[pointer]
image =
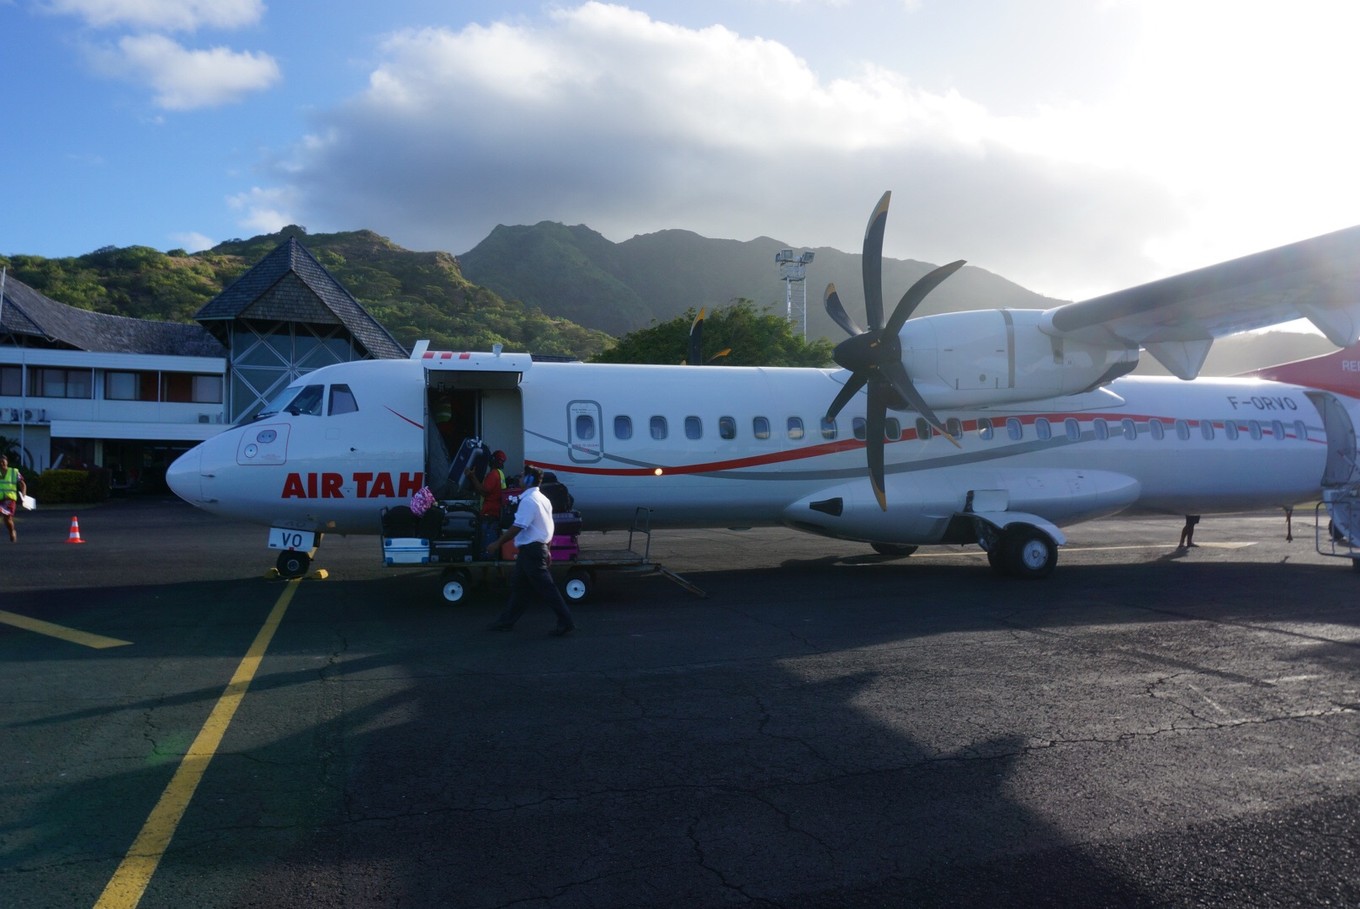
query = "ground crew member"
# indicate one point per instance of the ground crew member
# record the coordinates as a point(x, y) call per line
point(12, 486)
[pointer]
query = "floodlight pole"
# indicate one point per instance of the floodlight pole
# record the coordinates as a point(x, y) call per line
point(793, 270)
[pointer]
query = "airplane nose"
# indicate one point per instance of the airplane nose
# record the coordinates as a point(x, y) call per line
point(185, 475)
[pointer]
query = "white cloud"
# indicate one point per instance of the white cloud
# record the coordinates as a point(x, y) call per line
point(192, 241)
point(264, 209)
point(161, 15)
point(185, 79)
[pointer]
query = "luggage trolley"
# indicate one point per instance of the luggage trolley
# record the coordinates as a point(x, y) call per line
point(447, 536)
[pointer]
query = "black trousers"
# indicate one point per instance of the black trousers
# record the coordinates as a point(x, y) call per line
point(532, 579)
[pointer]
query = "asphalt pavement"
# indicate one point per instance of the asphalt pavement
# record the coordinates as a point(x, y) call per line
point(828, 727)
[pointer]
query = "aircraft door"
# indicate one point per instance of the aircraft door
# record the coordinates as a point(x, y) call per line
point(1341, 444)
point(585, 432)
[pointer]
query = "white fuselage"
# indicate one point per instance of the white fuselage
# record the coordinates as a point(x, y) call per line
point(740, 447)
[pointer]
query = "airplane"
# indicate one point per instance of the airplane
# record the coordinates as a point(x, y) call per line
point(990, 427)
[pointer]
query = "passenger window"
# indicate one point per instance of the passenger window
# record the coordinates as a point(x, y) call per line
point(585, 427)
point(1230, 429)
point(1206, 429)
point(828, 428)
point(1277, 430)
point(985, 428)
point(342, 400)
point(1073, 429)
point(859, 428)
point(1130, 429)
point(1301, 430)
point(892, 429)
point(659, 428)
point(1043, 429)
point(954, 426)
point(1254, 427)
point(1100, 428)
point(1182, 430)
point(795, 428)
point(922, 429)
point(1014, 429)
point(623, 427)
point(727, 428)
point(1157, 428)
point(694, 428)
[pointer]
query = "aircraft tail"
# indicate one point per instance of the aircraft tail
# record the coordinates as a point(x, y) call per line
point(1337, 372)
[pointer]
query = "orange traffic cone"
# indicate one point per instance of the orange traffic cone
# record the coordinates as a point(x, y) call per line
point(74, 536)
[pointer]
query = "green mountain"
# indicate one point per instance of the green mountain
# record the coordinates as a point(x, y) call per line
point(414, 294)
point(621, 287)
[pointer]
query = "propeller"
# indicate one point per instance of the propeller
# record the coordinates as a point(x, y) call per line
point(696, 344)
point(874, 356)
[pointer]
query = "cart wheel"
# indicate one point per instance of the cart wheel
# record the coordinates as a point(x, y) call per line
point(293, 564)
point(578, 585)
point(456, 585)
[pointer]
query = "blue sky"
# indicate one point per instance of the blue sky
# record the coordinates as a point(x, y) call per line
point(1073, 146)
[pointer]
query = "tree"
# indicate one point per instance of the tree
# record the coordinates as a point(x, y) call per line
point(755, 338)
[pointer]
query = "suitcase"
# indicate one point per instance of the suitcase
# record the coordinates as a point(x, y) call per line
point(472, 454)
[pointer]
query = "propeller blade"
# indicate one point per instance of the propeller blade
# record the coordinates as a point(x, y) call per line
point(916, 293)
point(902, 384)
point(720, 354)
point(872, 263)
point(836, 310)
point(875, 417)
point(852, 387)
point(696, 340)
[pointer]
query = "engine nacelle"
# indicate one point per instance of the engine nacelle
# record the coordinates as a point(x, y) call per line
point(967, 359)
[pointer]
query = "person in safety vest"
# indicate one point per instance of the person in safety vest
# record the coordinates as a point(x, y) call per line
point(12, 486)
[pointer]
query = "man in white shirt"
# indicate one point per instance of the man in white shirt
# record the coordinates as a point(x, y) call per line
point(532, 532)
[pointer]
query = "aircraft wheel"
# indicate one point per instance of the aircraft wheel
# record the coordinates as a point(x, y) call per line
point(578, 586)
point(1028, 553)
point(456, 585)
point(896, 550)
point(293, 564)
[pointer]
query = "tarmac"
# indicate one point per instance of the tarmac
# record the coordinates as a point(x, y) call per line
point(828, 727)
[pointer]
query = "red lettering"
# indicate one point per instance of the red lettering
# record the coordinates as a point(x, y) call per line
point(330, 486)
point(361, 481)
point(382, 487)
point(311, 486)
point(292, 488)
point(410, 484)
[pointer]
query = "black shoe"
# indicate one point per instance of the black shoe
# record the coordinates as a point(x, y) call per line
point(500, 626)
point(560, 632)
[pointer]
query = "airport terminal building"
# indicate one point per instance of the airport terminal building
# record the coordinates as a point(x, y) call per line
point(85, 389)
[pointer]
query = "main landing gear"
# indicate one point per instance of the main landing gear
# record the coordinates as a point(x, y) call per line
point(1021, 551)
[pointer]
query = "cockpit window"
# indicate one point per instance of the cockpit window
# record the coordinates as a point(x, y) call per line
point(342, 400)
point(296, 401)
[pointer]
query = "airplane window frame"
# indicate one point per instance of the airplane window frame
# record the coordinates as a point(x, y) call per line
point(1101, 428)
point(1183, 430)
point(1206, 430)
point(923, 430)
point(795, 429)
point(1301, 429)
point(1015, 430)
point(623, 427)
point(1157, 429)
point(1043, 428)
point(955, 427)
point(584, 428)
point(694, 427)
point(985, 430)
point(1072, 427)
point(1129, 427)
point(1231, 430)
point(1255, 430)
point(760, 428)
point(658, 427)
point(859, 428)
point(1277, 430)
point(727, 428)
point(892, 429)
point(829, 429)
point(336, 408)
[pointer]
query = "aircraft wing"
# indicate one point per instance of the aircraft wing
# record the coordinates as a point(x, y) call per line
point(1176, 319)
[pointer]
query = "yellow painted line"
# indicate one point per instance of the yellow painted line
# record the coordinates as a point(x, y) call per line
point(129, 882)
point(97, 641)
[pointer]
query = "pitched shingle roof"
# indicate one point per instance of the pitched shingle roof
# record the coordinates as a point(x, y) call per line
point(24, 311)
point(290, 285)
